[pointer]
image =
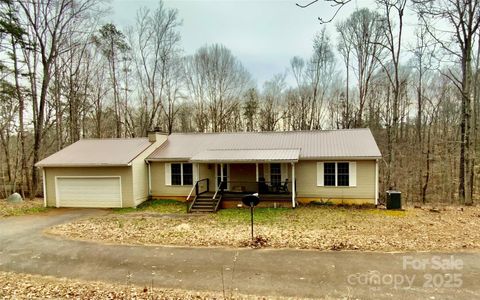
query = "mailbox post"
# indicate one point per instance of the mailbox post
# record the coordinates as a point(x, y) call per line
point(251, 201)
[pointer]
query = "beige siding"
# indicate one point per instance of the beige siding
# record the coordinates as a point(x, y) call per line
point(140, 172)
point(124, 172)
point(306, 177)
point(159, 188)
point(208, 171)
point(140, 181)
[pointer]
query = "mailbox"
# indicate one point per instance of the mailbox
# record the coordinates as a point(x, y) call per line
point(251, 201)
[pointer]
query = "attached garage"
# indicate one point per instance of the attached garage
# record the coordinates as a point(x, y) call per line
point(89, 191)
point(99, 173)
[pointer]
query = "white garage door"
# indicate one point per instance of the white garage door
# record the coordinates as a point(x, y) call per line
point(89, 191)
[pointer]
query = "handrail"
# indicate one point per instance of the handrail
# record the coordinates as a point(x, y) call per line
point(218, 203)
point(218, 189)
point(191, 205)
point(194, 187)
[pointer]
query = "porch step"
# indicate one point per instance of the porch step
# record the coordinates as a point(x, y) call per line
point(204, 204)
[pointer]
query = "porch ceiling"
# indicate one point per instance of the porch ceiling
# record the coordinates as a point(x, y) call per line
point(246, 155)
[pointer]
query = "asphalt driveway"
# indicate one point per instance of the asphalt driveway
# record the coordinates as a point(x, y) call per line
point(24, 248)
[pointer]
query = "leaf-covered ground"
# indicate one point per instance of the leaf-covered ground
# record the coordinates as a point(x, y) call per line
point(16, 209)
point(23, 286)
point(312, 227)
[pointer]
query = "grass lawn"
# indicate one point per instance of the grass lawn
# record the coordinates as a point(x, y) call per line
point(309, 227)
point(17, 209)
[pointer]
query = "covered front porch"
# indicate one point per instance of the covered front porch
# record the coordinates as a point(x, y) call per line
point(236, 173)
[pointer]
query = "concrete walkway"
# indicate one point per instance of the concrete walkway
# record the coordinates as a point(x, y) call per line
point(293, 273)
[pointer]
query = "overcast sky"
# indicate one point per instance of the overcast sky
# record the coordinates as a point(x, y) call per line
point(264, 35)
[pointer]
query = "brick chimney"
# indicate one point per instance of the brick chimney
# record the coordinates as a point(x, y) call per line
point(155, 134)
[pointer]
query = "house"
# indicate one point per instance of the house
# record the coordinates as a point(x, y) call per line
point(215, 170)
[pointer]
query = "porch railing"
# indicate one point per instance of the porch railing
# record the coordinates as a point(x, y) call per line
point(200, 187)
point(261, 187)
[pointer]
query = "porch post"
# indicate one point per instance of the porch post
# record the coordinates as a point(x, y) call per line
point(293, 185)
point(215, 183)
point(256, 172)
point(221, 174)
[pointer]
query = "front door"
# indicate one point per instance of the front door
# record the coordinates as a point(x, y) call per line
point(225, 176)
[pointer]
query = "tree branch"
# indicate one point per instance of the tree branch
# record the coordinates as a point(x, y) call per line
point(334, 3)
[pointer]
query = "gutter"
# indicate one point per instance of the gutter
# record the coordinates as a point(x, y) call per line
point(80, 165)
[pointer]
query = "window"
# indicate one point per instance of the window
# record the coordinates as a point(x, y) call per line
point(342, 174)
point(336, 174)
point(176, 174)
point(187, 174)
point(275, 174)
point(182, 174)
point(329, 174)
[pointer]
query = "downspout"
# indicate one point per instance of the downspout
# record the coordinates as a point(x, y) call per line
point(376, 182)
point(44, 188)
point(149, 179)
point(293, 186)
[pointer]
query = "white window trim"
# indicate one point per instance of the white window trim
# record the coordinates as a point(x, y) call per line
point(181, 174)
point(336, 175)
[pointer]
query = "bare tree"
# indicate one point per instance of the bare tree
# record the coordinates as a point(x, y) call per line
point(463, 17)
point(272, 106)
point(47, 24)
point(313, 80)
point(215, 80)
point(158, 65)
point(12, 31)
point(250, 109)
point(112, 43)
point(345, 48)
point(364, 33)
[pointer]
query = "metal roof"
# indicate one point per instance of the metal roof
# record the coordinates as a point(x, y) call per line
point(247, 155)
point(97, 152)
point(319, 144)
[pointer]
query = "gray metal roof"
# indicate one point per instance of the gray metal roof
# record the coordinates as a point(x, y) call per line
point(97, 152)
point(325, 144)
point(247, 155)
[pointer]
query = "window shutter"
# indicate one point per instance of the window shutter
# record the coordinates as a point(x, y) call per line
point(228, 176)
point(195, 171)
point(168, 174)
point(320, 174)
point(352, 171)
point(284, 171)
point(266, 172)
